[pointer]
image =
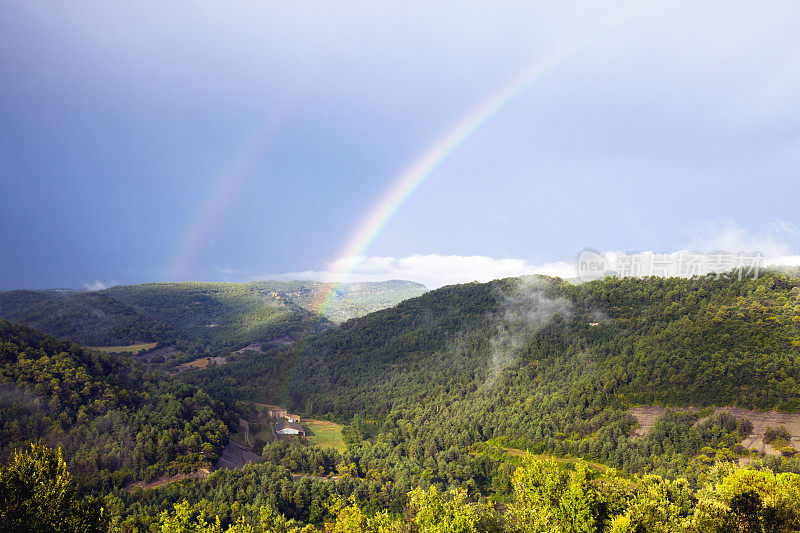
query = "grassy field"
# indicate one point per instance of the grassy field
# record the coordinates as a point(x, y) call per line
point(324, 434)
point(133, 348)
point(203, 362)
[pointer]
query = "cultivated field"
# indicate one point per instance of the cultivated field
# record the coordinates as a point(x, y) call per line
point(133, 348)
point(203, 362)
point(324, 434)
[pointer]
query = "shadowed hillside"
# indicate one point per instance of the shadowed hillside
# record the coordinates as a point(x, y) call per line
point(91, 319)
point(114, 422)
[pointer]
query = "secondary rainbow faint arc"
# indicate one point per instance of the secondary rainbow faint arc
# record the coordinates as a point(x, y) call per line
point(217, 199)
point(433, 158)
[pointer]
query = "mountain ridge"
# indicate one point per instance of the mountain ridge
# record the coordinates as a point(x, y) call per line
point(201, 317)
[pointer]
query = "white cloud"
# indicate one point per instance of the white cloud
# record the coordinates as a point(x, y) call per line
point(97, 285)
point(431, 270)
point(731, 238)
point(784, 260)
point(436, 270)
point(786, 227)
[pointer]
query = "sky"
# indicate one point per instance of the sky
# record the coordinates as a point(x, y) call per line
point(233, 141)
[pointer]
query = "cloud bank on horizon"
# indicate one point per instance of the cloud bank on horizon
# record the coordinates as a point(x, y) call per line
point(437, 270)
point(431, 270)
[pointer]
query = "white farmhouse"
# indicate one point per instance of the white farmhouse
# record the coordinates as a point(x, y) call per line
point(284, 427)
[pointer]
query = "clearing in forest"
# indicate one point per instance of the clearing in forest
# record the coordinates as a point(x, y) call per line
point(133, 348)
point(203, 362)
point(647, 415)
point(324, 434)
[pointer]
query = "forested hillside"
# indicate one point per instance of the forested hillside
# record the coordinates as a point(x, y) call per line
point(546, 365)
point(114, 422)
point(88, 318)
point(674, 341)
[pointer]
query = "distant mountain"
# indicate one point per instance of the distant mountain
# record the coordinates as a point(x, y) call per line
point(227, 314)
point(200, 317)
point(91, 319)
point(344, 301)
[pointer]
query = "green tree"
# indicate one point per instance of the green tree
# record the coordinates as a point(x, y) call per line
point(348, 519)
point(553, 500)
point(37, 495)
point(184, 519)
point(273, 522)
point(750, 501)
point(658, 506)
point(451, 513)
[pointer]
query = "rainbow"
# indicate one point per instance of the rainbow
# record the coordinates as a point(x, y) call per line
point(432, 159)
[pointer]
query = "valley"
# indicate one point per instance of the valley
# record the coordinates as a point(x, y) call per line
point(460, 390)
point(400, 267)
point(198, 318)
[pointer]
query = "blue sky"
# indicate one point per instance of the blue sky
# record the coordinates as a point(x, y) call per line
point(153, 141)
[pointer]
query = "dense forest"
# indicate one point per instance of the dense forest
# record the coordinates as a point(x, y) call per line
point(548, 366)
point(501, 406)
point(672, 341)
point(114, 423)
point(36, 495)
point(88, 318)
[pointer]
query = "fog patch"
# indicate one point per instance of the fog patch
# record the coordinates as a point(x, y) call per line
point(21, 399)
point(98, 285)
point(525, 311)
